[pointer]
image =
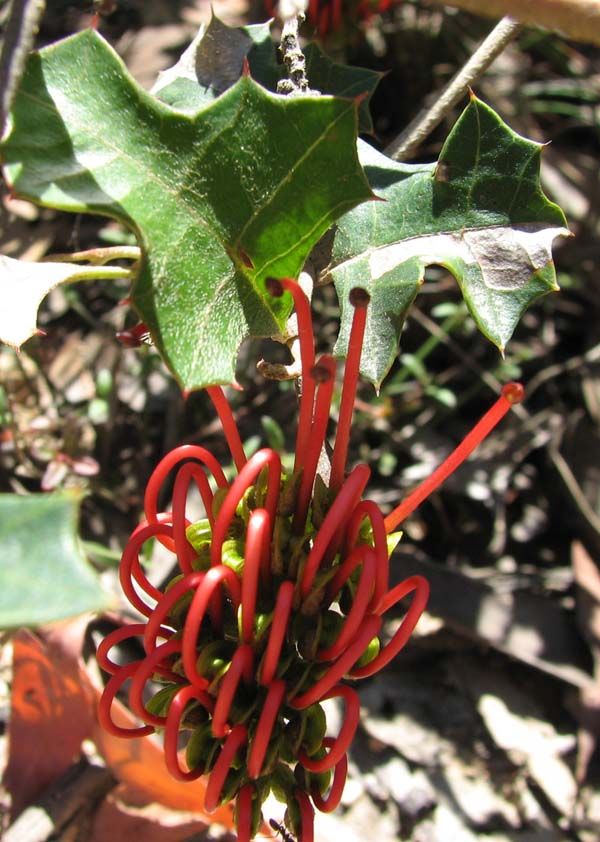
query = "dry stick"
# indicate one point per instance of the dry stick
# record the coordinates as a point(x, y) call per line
point(573, 487)
point(78, 789)
point(408, 141)
point(489, 379)
point(578, 19)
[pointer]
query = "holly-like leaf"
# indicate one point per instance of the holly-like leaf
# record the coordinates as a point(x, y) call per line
point(342, 80)
point(211, 64)
point(44, 575)
point(214, 60)
point(23, 285)
point(219, 200)
point(480, 212)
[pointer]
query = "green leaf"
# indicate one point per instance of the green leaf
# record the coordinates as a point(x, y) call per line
point(214, 61)
point(342, 80)
point(211, 64)
point(480, 212)
point(219, 200)
point(44, 575)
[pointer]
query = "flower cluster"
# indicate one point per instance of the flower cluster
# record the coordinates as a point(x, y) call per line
point(279, 595)
point(328, 15)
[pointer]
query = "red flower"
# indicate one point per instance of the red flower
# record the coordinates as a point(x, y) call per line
point(328, 15)
point(280, 596)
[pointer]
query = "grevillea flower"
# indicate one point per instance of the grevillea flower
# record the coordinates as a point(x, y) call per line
point(279, 597)
point(329, 15)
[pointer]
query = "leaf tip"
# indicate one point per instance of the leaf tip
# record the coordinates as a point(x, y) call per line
point(360, 98)
point(441, 172)
point(246, 68)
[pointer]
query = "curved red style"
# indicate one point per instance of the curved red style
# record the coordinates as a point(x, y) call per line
point(277, 598)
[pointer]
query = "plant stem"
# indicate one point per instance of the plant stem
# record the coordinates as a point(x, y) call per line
point(579, 19)
point(431, 343)
point(100, 273)
point(293, 58)
point(98, 256)
point(408, 141)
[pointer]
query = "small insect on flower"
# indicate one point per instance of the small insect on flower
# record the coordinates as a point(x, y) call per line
point(278, 601)
point(279, 828)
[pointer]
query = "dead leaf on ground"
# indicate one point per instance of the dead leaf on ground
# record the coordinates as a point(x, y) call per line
point(54, 706)
point(51, 714)
point(140, 765)
point(120, 822)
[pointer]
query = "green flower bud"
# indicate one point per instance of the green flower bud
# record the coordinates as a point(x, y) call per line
point(160, 703)
point(322, 781)
point(331, 626)
point(292, 818)
point(371, 652)
point(282, 783)
point(233, 555)
point(233, 782)
point(214, 657)
point(202, 748)
point(314, 732)
point(199, 534)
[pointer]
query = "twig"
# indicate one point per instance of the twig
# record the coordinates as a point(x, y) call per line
point(98, 256)
point(408, 141)
point(81, 786)
point(18, 37)
point(579, 19)
point(572, 364)
point(488, 378)
point(573, 487)
point(297, 82)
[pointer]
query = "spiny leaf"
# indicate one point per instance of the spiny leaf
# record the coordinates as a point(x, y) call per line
point(214, 60)
point(342, 80)
point(44, 575)
point(219, 200)
point(211, 64)
point(480, 212)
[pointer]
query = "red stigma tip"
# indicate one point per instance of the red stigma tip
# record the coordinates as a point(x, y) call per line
point(135, 336)
point(359, 297)
point(513, 392)
point(320, 373)
point(246, 259)
point(274, 287)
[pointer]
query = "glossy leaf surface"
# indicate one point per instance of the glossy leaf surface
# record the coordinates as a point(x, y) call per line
point(219, 200)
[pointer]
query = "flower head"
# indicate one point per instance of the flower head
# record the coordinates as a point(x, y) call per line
point(279, 596)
